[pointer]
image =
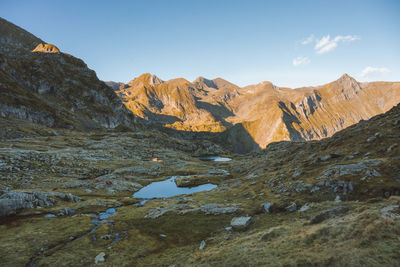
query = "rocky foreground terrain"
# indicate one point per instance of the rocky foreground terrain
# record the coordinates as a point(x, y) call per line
point(67, 198)
point(75, 165)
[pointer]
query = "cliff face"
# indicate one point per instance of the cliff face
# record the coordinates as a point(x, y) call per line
point(274, 114)
point(52, 88)
point(254, 116)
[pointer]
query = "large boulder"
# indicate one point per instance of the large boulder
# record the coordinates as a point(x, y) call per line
point(349, 169)
point(12, 201)
point(241, 223)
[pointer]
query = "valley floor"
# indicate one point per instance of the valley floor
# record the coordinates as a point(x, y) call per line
point(66, 200)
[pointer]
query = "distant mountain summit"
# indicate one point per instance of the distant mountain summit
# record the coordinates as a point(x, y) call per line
point(251, 117)
point(46, 48)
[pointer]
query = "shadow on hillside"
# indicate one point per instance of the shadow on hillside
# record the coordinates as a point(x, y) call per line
point(161, 118)
point(236, 139)
point(219, 112)
point(288, 118)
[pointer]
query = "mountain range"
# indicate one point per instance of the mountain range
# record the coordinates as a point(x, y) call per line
point(251, 117)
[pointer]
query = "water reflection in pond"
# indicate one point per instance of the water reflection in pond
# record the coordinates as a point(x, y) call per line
point(215, 158)
point(168, 188)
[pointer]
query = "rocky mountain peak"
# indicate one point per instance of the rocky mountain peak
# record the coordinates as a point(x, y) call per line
point(203, 81)
point(348, 84)
point(146, 78)
point(46, 48)
point(346, 79)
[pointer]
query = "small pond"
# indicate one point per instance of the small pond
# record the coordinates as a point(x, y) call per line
point(168, 188)
point(214, 158)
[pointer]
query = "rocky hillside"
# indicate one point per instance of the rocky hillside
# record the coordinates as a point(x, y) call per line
point(173, 103)
point(40, 84)
point(254, 116)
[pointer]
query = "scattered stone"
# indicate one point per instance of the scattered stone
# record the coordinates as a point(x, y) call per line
point(267, 206)
point(99, 258)
point(314, 189)
point(215, 209)
point(163, 235)
point(301, 186)
point(387, 212)
point(292, 207)
point(372, 172)
point(312, 156)
point(297, 172)
point(208, 209)
point(241, 223)
point(350, 185)
point(326, 157)
point(371, 139)
point(391, 147)
point(338, 199)
point(331, 156)
point(228, 228)
point(329, 213)
point(348, 169)
point(202, 245)
point(106, 237)
point(66, 212)
point(304, 208)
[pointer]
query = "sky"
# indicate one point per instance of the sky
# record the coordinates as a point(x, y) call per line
point(290, 43)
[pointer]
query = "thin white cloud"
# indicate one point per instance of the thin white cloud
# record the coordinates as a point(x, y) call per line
point(326, 44)
point(369, 72)
point(301, 61)
point(308, 40)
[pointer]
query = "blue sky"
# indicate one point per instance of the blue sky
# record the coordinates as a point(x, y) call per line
point(290, 43)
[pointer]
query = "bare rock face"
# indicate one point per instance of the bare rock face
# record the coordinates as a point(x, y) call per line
point(46, 48)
